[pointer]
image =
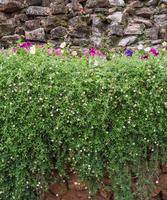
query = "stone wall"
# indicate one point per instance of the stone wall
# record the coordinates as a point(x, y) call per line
point(84, 22)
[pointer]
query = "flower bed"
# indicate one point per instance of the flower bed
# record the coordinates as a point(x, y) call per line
point(94, 115)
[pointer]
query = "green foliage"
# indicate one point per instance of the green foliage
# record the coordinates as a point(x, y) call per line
point(61, 113)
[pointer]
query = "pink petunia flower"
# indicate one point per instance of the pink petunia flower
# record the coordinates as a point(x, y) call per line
point(58, 52)
point(50, 51)
point(14, 50)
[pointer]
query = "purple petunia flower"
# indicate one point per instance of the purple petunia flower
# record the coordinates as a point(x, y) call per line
point(86, 52)
point(128, 52)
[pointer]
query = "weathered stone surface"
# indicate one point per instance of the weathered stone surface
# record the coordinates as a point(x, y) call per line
point(117, 2)
point(47, 2)
point(115, 29)
point(163, 1)
point(129, 11)
point(21, 17)
point(97, 3)
point(81, 32)
point(161, 20)
point(52, 22)
point(152, 33)
point(134, 29)
point(127, 41)
point(136, 4)
point(3, 17)
point(152, 3)
point(116, 17)
point(38, 11)
point(81, 42)
point(145, 12)
point(6, 29)
point(77, 22)
point(96, 38)
point(163, 9)
point(11, 6)
point(58, 8)
point(96, 21)
point(9, 40)
point(104, 11)
point(163, 33)
point(27, 3)
point(20, 30)
point(148, 23)
point(32, 24)
point(36, 35)
point(58, 32)
point(75, 8)
point(14, 22)
point(156, 42)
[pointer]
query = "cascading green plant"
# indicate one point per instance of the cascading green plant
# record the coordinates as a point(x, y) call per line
point(61, 113)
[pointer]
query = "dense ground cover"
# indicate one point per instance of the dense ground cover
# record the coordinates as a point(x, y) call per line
point(88, 114)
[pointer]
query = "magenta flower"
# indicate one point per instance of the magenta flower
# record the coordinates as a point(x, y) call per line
point(154, 51)
point(128, 52)
point(26, 45)
point(93, 52)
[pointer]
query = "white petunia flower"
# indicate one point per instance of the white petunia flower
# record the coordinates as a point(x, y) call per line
point(164, 44)
point(74, 53)
point(32, 49)
point(62, 45)
point(147, 49)
point(140, 47)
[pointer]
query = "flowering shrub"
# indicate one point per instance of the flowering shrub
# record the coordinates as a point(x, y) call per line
point(59, 112)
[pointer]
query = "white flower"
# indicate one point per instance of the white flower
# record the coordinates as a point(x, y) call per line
point(32, 49)
point(62, 45)
point(140, 47)
point(74, 53)
point(147, 49)
point(164, 44)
